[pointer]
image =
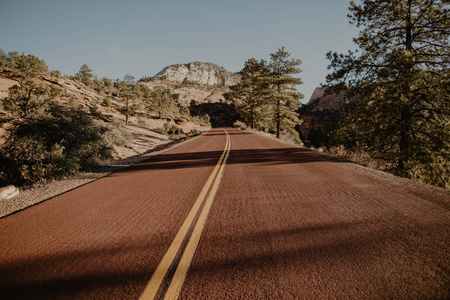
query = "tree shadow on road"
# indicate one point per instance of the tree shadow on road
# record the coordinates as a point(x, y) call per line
point(277, 156)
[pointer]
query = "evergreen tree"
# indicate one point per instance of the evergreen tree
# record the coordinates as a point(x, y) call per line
point(30, 65)
point(251, 93)
point(284, 94)
point(21, 65)
point(85, 75)
point(400, 77)
point(29, 96)
point(128, 90)
point(161, 101)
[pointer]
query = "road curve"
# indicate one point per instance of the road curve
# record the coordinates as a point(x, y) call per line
point(283, 223)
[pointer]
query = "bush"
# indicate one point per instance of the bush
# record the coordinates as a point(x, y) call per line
point(57, 144)
point(239, 124)
point(193, 132)
point(116, 134)
point(202, 120)
point(106, 102)
point(291, 136)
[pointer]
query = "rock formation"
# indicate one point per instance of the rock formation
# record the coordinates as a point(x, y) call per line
point(207, 74)
point(322, 108)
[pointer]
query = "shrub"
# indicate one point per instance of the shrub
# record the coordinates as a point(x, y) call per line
point(57, 144)
point(116, 134)
point(239, 124)
point(202, 120)
point(193, 132)
point(291, 136)
point(172, 129)
point(106, 102)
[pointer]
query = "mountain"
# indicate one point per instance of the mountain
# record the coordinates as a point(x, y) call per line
point(322, 99)
point(194, 82)
point(206, 74)
point(320, 114)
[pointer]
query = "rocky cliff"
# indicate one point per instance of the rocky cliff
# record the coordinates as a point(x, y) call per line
point(206, 74)
point(320, 114)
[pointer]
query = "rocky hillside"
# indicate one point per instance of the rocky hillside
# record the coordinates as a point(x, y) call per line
point(322, 110)
point(143, 130)
point(195, 82)
point(206, 74)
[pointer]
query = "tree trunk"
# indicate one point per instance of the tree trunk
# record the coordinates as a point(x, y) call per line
point(127, 112)
point(405, 116)
point(278, 119)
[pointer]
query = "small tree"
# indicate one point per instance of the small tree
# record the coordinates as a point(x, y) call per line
point(161, 101)
point(284, 94)
point(128, 91)
point(85, 75)
point(29, 96)
point(21, 65)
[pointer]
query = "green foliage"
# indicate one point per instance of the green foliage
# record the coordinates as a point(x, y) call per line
point(106, 102)
point(116, 134)
point(203, 120)
point(266, 97)
point(161, 101)
point(193, 132)
point(55, 73)
point(85, 75)
point(400, 78)
point(56, 144)
point(29, 97)
point(21, 65)
point(239, 124)
point(146, 79)
point(284, 94)
point(129, 92)
point(251, 94)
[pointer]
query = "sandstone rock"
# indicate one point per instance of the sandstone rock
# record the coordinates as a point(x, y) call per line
point(207, 74)
point(8, 192)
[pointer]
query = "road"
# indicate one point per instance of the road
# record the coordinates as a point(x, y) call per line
point(232, 215)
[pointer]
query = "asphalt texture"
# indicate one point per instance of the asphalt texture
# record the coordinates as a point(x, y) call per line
point(286, 223)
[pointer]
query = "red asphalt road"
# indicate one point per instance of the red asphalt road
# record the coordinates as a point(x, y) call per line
point(286, 223)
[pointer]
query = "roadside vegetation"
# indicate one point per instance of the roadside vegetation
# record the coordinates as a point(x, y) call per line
point(266, 98)
point(398, 107)
point(47, 138)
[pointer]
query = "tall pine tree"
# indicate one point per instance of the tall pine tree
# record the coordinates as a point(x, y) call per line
point(250, 95)
point(400, 76)
point(284, 95)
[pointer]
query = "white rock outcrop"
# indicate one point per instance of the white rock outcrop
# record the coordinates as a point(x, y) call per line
point(8, 192)
point(207, 74)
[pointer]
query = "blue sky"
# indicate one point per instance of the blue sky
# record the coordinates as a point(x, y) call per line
point(140, 38)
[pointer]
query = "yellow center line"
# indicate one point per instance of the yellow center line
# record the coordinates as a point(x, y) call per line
point(163, 267)
point(180, 274)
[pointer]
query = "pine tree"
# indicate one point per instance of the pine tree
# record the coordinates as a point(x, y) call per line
point(284, 94)
point(85, 75)
point(21, 65)
point(29, 96)
point(400, 77)
point(161, 101)
point(128, 91)
point(251, 93)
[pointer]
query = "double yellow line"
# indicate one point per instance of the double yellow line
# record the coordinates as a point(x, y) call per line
point(211, 185)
